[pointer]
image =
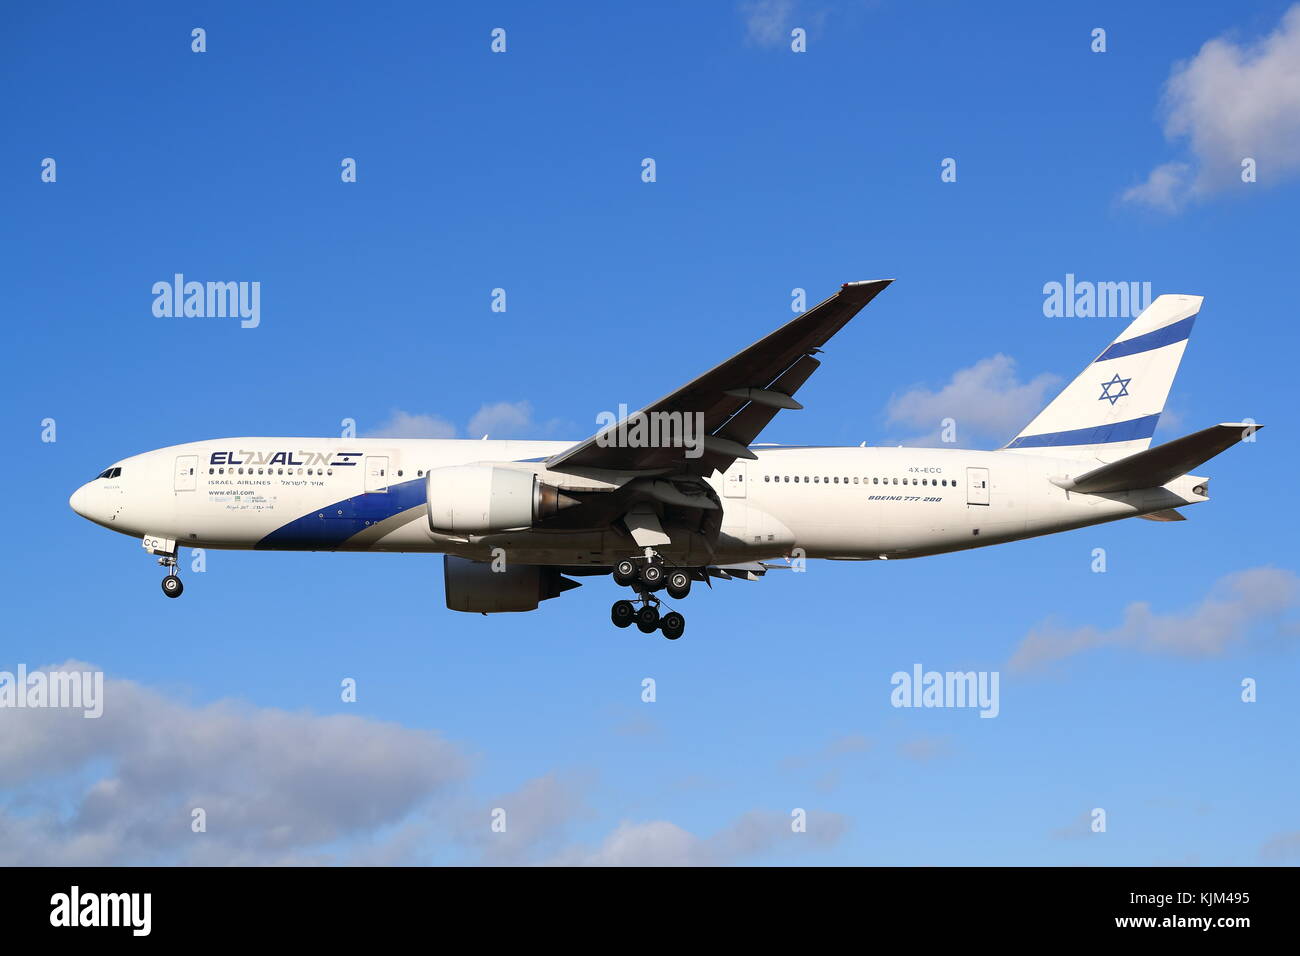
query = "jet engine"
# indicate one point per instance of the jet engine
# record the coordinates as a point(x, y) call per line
point(480, 499)
point(474, 586)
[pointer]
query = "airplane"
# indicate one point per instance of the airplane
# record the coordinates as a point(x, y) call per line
point(678, 492)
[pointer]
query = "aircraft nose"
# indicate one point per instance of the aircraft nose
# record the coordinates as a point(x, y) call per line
point(80, 501)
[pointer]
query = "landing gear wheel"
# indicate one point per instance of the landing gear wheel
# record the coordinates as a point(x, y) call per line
point(625, 572)
point(679, 585)
point(647, 619)
point(172, 586)
point(652, 576)
point(622, 613)
point(673, 625)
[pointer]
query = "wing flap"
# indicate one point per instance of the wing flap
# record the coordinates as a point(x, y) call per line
point(1169, 514)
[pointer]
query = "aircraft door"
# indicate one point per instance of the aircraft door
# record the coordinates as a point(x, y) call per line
point(977, 486)
point(733, 482)
point(376, 473)
point(187, 471)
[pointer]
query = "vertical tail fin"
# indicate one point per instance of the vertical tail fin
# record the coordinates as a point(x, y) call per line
point(1111, 409)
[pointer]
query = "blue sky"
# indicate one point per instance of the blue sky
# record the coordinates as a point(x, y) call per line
point(521, 170)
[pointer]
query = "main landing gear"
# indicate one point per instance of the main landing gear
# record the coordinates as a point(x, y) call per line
point(171, 585)
point(646, 578)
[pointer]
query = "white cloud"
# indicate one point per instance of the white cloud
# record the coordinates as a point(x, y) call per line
point(406, 425)
point(926, 749)
point(1231, 101)
point(275, 786)
point(494, 419)
point(836, 747)
point(1281, 847)
point(660, 843)
point(537, 816)
point(767, 22)
point(1164, 189)
point(1081, 826)
point(1237, 603)
point(285, 788)
point(504, 420)
point(986, 399)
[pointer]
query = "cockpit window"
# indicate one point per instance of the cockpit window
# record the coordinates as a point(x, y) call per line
point(110, 473)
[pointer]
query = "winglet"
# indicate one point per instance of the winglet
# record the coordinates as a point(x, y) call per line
point(865, 290)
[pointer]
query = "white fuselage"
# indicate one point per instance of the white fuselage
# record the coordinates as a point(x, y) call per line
point(851, 503)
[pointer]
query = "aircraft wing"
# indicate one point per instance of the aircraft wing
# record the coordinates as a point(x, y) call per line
point(736, 399)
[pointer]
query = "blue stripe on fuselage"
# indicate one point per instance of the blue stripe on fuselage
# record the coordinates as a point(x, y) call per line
point(325, 529)
point(1093, 435)
point(1152, 340)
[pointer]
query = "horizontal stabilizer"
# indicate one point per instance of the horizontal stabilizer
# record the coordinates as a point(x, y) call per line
point(1162, 464)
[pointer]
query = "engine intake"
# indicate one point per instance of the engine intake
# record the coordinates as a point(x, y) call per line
point(479, 499)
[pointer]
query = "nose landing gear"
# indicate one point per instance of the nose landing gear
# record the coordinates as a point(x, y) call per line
point(166, 550)
point(171, 585)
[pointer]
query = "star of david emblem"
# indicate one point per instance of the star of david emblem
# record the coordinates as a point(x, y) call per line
point(1108, 389)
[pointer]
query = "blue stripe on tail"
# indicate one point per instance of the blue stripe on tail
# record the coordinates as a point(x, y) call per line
point(1094, 434)
point(1152, 340)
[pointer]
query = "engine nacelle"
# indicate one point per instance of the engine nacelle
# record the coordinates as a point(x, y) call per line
point(474, 586)
point(480, 499)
